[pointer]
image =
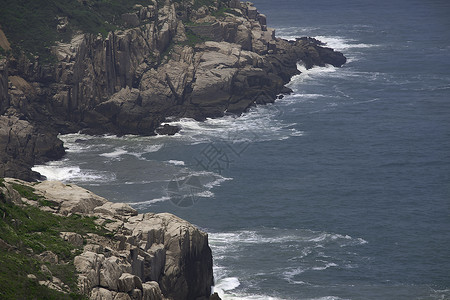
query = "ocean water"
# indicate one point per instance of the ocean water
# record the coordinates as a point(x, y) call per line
point(338, 191)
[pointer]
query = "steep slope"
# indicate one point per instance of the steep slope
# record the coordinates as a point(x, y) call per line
point(182, 58)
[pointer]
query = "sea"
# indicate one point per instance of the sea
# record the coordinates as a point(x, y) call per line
point(340, 190)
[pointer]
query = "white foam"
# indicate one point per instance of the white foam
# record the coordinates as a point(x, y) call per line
point(144, 204)
point(227, 284)
point(115, 154)
point(340, 43)
point(290, 274)
point(260, 123)
point(153, 148)
point(176, 162)
point(242, 296)
point(304, 250)
point(309, 74)
point(327, 298)
point(59, 171)
point(328, 265)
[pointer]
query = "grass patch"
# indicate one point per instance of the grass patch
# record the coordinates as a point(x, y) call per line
point(28, 227)
point(14, 284)
point(31, 26)
point(26, 192)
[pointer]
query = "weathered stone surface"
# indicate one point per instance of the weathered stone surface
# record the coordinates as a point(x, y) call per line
point(114, 209)
point(110, 273)
point(122, 296)
point(150, 256)
point(235, 4)
point(4, 96)
point(151, 291)
point(132, 80)
point(128, 282)
point(88, 264)
point(23, 145)
point(99, 293)
point(73, 238)
point(72, 198)
point(181, 241)
point(49, 257)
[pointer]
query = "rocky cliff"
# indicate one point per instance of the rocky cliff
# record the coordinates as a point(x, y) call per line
point(137, 256)
point(194, 59)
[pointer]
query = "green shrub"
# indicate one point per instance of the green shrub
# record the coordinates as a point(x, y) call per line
point(31, 25)
point(26, 192)
point(24, 228)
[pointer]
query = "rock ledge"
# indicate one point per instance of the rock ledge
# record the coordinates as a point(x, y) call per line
point(148, 256)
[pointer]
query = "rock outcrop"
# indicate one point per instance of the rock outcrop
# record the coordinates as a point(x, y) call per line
point(22, 145)
point(195, 59)
point(4, 96)
point(148, 256)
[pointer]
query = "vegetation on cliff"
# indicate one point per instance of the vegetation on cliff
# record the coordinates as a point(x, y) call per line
point(85, 246)
point(32, 26)
point(27, 233)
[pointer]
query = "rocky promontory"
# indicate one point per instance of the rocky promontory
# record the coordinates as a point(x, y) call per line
point(186, 58)
point(119, 254)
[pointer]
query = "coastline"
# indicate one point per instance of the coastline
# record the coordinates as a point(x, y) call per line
point(142, 256)
point(169, 69)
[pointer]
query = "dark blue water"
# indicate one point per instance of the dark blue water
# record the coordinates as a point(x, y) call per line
point(339, 191)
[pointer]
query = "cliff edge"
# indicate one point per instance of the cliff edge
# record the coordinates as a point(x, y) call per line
point(167, 59)
point(120, 254)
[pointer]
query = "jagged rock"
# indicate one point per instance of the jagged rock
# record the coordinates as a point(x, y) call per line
point(49, 257)
point(167, 129)
point(252, 13)
point(128, 282)
point(181, 240)
point(93, 248)
point(214, 296)
point(46, 271)
point(23, 145)
point(100, 293)
point(122, 296)
point(71, 198)
point(56, 285)
point(151, 291)
point(151, 256)
point(115, 209)
point(4, 97)
point(235, 4)
point(262, 19)
point(88, 264)
point(73, 238)
point(132, 80)
point(110, 273)
point(154, 262)
point(135, 294)
point(9, 194)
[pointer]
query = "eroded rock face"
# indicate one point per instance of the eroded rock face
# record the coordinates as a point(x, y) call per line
point(150, 256)
point(22, 145)
point(4, 96)
point(130, 81)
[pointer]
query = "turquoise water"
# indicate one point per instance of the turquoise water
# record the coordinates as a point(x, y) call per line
point(338, 191)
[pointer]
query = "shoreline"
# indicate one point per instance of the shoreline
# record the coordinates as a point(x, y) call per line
point(97, 86)
point(146, 256)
